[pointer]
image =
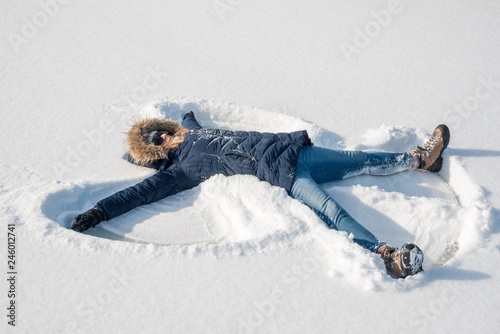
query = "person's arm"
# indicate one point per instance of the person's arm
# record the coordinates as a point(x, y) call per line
point(189, 122)
point(152, 189)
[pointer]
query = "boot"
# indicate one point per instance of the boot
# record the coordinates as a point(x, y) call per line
point(403, 262)
point(429, 157)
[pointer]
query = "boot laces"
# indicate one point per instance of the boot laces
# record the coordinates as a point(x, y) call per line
point(387, 252)
point(426, 150)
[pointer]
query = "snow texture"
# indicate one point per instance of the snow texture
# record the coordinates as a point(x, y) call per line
point(236, 255)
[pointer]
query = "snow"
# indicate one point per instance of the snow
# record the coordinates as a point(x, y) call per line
point(236, 255)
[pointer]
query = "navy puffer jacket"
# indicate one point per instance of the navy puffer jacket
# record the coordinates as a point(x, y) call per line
point(208, 152)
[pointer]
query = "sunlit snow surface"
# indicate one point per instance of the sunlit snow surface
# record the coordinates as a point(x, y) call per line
point(241, 256)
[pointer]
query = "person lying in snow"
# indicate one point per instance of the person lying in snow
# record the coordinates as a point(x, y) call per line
point(187, 155)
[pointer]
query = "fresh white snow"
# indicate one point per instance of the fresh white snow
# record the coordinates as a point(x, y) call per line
point(236, 255)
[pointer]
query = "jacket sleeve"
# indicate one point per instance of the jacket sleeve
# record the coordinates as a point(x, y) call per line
point(190, 122)
point(152, 189)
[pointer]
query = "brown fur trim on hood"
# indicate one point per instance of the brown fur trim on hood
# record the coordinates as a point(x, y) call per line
point(143, 152)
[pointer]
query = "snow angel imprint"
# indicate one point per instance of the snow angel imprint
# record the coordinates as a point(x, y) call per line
point(186, 155)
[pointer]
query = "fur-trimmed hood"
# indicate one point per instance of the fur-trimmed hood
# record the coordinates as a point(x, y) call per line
point(141, 151)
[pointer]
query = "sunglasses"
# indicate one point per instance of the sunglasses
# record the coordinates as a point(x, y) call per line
point(157, 139)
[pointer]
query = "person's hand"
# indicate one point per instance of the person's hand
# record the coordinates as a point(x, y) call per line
point(189, 114)
point(89, 219)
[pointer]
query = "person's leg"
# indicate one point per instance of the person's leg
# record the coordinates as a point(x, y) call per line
point(306, 190)
point(325, 165)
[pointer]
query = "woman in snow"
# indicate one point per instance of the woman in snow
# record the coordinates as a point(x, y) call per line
point(187, 155)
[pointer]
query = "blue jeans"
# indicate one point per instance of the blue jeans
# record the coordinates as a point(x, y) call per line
point(319, 165)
